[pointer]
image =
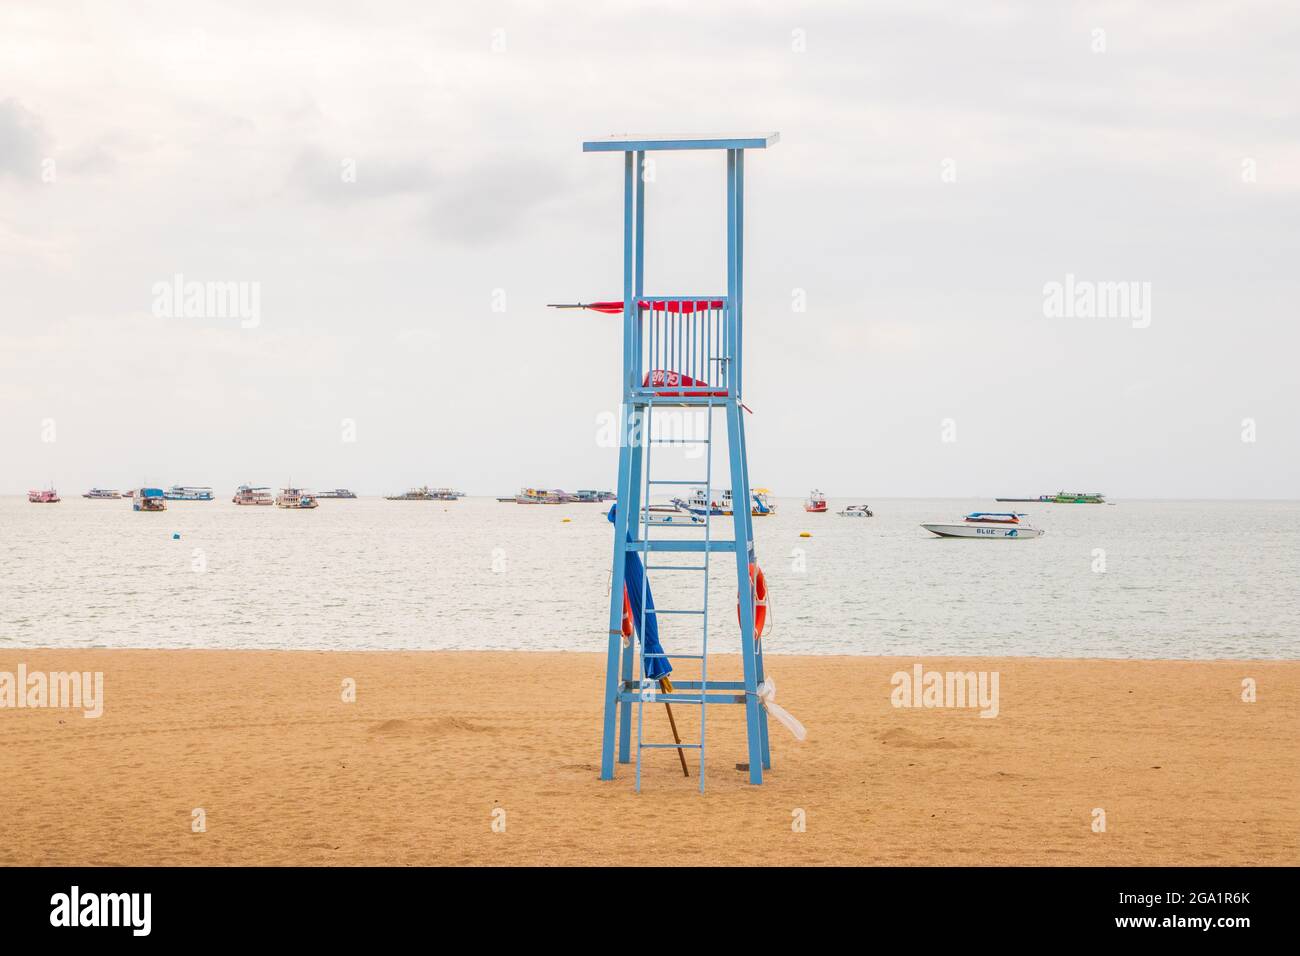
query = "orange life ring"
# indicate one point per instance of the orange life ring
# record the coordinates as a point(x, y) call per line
point(759, 584)
point(627, 614)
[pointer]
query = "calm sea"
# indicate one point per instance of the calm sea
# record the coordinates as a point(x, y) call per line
point(1148, 579)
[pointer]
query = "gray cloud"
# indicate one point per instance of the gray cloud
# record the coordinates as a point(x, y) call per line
point(23, 141)
point(1171, 158)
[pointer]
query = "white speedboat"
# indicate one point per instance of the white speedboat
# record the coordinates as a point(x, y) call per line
point(986, 524)
point(657, 514)
point(855, 511)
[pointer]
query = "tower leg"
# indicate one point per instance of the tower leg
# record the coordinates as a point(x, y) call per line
point(744, 522)
point(615, 649)
point(632, 505)
point(758, 662)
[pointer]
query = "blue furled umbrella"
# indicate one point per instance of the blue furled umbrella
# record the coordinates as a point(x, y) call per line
point(633, 575)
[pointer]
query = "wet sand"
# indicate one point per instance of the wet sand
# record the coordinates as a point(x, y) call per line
point(492, 758)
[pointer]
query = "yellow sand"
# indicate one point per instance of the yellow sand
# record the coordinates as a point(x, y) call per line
point(411, 772)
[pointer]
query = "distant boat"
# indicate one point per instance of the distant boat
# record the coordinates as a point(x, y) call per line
point(542, 496)
point(816, 503)
point(249, 495)
point(703, 501)
point(660, 515)
point(715, 502)
point(336, 493)
point(447, 494)
point(295, 499)
point(102, 493)
point(510, 499)
point(589, 495)
point(856, 511)
point(188, 493)
point(47, 496)
point(1063, 498)
point(415, 494)
point(986, 524)
point(148, 499)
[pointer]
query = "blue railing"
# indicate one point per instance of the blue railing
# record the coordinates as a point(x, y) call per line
point(685, 348)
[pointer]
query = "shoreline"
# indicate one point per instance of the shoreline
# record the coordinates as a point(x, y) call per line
point(436, 744)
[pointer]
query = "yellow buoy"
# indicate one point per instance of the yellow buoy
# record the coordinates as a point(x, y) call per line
point(567, 520)
point(805, 534)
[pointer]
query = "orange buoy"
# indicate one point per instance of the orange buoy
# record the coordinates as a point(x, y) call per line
point(759, 584)
point(627, 614)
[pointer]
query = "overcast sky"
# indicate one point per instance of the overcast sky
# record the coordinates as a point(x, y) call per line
point(403, 186)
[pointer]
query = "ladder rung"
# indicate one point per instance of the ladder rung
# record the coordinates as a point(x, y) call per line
point(676, 567)
point(680, 441)
point(662, 544)
point(668, 746)
point(655, 610)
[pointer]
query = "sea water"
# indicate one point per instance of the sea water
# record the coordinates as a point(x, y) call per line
point(1137, 579)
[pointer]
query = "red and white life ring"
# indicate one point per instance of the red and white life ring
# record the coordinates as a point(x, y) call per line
point(759, 585)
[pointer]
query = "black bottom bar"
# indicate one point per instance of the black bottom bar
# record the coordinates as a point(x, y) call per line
point(982, 907)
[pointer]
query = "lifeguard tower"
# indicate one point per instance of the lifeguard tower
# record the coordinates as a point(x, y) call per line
point(679, 350)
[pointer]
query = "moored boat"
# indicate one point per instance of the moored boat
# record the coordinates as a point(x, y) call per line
point(816, 503)
point(856, 511)
point(761, 506)
point(415, 494)
point(669, 515)
point(985, 524)
point(1063, 498)
point(148, 499)
point(542, 496)
point(102, 493)
point(336, 493)
point(188, 493)
point(46, 496)
point(705, 502)
point(295, 499)
point(250, 495)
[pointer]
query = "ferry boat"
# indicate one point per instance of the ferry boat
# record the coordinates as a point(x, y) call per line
point(1063, 498)
point(250, 495)
point(336, 493)
point(541, 496)
point(816, 503)
point(447, 494)
point(986, 524)
point(703, 502)
point(415, 494)
point(47, 496)
point(148, 499)
point(188, 493)
point(102, 493)
point(761, 506)
point(856, 511)
point(296, 498)
point(589, 495)
point(1077, 498)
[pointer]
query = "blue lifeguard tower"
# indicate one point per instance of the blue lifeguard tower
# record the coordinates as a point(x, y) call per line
point(678, 350)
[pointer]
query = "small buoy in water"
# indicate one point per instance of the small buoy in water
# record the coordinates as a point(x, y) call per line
point(176, 536)
point(805, 534)
point(567, 520)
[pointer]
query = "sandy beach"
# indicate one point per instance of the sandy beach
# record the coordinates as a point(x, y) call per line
point(411, 772)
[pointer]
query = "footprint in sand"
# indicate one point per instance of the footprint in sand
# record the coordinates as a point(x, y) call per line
point(902, 737)
point(433, 727)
